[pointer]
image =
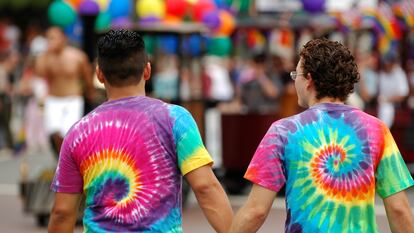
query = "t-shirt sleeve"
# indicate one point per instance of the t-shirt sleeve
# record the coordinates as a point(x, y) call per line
point(67, 178)
point(392, 175)
point(190, 149)
point(266, 168)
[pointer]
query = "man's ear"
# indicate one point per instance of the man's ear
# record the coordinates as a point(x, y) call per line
point(147, 71)
point(100, 75)
point(309, 81)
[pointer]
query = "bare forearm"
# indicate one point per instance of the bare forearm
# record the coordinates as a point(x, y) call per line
point(246, 221)
point(61, 224)
point(401, 222)
point(399, 214)
point(216, 207)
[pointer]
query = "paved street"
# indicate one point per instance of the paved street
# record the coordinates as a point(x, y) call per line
point(14, 220)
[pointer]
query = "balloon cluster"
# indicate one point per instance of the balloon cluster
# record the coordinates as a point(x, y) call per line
point(216, 15)
point(64, 13)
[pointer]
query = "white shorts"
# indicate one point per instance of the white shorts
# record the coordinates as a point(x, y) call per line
point(62, 112)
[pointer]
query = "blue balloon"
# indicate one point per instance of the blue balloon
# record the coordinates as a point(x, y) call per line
point(74, 32)
point(193, 44)
point(168, 44)
point(119, 8)
point(221, 4)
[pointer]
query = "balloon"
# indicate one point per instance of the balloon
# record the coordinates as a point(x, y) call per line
point(172, 19)
point(176, 7)
point(121, 22)
point(168, 44)
point(149, 20)
point(212, 20)
point(219, 46)
point(74, 31)
point(119, 8)
point(89, 7)
point(227, 24)
point(220, 3)
point(202, 7)
point(103, 4)
point(149, 42)
point(313, 6)
point(103, 21)
point(74, 3)
point(151, 8)
point(192, 45)
point(61, 14)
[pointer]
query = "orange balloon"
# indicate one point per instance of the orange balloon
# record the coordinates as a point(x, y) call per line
point(172, 19)
point(74, 3)
point(227, 24)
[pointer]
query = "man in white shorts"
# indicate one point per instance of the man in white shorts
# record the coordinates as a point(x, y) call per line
point(67, 70)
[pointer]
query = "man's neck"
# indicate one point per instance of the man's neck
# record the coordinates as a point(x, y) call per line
point(115, 93)
point(325, 100)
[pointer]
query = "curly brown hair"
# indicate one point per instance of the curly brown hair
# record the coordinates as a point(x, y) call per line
point(332, 67)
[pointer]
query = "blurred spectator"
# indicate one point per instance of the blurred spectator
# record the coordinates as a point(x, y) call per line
point(8, 62)
point(217, 79)
point(367, 88)
point(34, 89)
point(410, 72)
point(280, 72)
point(69, 74)
point(393, 89)
point(165, 81)
point(258, 91)
point(35, 42)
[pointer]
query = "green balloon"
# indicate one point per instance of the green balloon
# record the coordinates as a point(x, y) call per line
point(103, 22)
point(61, 14)
point(149, 42)
point(219, 46)
point(244, 6)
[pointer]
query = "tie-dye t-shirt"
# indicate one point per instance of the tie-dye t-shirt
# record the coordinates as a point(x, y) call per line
point(332, 158)
point(128, 157)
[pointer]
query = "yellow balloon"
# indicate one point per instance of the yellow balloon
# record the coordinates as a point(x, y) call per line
point(192, 2)
point(151, 8)
point(103, 4)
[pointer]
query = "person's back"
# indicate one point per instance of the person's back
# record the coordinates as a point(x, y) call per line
point(126, 153)
point(335, 157)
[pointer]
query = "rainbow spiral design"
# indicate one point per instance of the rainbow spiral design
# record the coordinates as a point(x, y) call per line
point(129, 182)
point(334, 171)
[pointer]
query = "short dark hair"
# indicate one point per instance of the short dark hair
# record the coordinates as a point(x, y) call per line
point(332, 67)
point(122, 57)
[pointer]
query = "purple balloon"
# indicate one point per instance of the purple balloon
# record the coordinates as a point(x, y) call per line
point(149, 20)
point(212, 20)
point(89, 7)
point(122, 22)
point(314, 6)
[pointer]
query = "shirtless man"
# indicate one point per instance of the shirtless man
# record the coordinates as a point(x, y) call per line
point(67, 70)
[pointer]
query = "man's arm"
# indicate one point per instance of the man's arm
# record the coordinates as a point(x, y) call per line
point(64, 212)
point(399, 214)
point(211, 198)
point(254, 212)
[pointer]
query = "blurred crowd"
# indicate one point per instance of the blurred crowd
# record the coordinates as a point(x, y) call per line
point(252, 80)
